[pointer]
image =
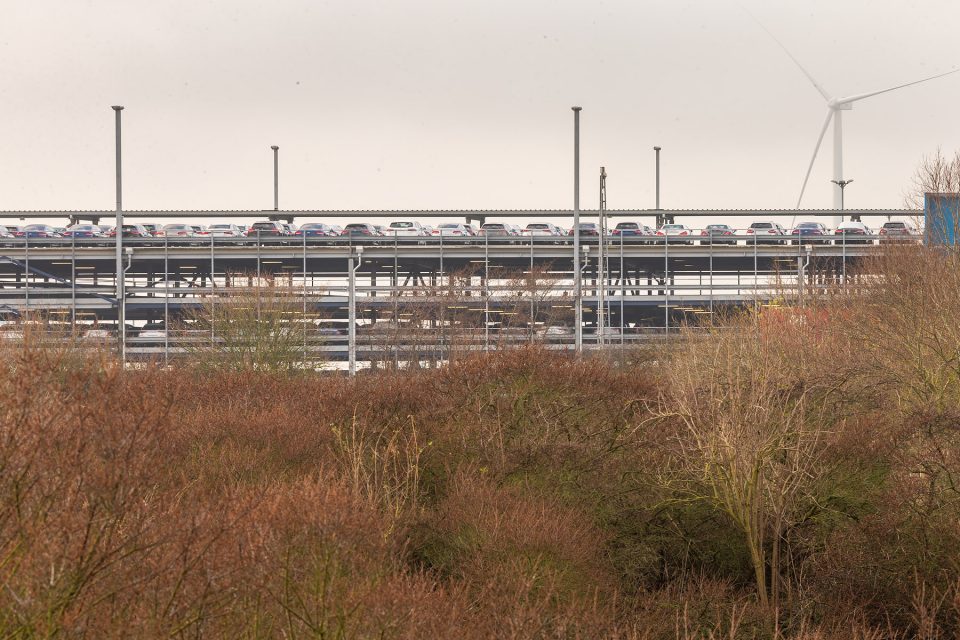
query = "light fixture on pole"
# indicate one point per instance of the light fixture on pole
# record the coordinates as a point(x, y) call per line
point(843, 185)
point(577, 280)
point(121, 320)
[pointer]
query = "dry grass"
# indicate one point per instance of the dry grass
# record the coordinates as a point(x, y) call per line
point(794, 476)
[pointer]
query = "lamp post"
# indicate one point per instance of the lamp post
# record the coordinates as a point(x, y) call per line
point(276, 178)
point(352, 312)
point(577, 301)
point(843, 185)
point(657, 205)
point(121, 306)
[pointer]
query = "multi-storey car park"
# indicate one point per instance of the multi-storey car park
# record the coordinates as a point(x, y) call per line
point(491, 289)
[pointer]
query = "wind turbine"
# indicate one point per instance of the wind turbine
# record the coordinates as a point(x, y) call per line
point(835, 109)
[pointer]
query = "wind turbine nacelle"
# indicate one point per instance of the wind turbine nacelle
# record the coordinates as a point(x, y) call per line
point(836, 105)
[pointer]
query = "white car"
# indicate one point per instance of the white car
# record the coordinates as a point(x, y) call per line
point(456, 229)
point(680, 231)
point(176, 230)
point(406, 229)
point(153, 331)
point(222, 230)
point(542, 229)
point(852, 232)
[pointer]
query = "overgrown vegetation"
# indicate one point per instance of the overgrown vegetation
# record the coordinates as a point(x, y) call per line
point(794, 475)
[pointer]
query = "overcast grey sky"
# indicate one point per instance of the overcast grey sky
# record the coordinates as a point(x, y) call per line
point(464, 103)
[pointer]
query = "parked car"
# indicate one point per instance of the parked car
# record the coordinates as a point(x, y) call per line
point(316, 230)
point(153, 228)
point(852, 232)
point(99, 335)
point(550, 331)
point(766, 231)
point(718, 234)
point(632, 229)
point(153, 331)
point(84, 231)
point(542, 229)
point(288, 229)
point(495, 230)
point(898, 231)
point(362, 229)
point(40, 231)
point(681, 231)
point(200, 230)
point(406, 228)
point(266, 229)
point(588, 229)
point(132, 231)
point(810, 233)
point(16, 230)
point(177, 230)
point(455, 229)
point(225, 230)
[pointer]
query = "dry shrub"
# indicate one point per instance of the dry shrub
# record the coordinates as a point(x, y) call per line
point(533, 564)
point(750, 419)
point(263, 327)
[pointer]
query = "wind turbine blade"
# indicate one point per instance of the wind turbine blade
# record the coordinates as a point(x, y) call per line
point(861, 96)
point(817, 85)
point(816, 149)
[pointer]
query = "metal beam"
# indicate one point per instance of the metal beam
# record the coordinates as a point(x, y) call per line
point(470, 214)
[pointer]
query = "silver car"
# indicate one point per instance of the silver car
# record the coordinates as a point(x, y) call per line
point(224, 230)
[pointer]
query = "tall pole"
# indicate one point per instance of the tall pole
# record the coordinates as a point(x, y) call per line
point(276, 178)
point(601, 259)
point(121, 302)
point(659, 220)
point(353, 265)
point(577, 301)
point(842, 184)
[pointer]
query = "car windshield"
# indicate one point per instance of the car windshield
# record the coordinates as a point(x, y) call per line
point(264, 225)
point(401, 225)
point(894, 225)
point(537, 225)
point(717, 226)
point(628, 225)
point(808, 225)
point(492, 226)
point(762, 225)
point(672, 227)
point(450, 225)
point(220, 226)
